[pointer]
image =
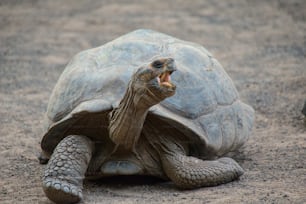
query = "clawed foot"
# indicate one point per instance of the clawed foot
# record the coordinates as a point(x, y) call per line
point(64, 173)
point(232, 165)
point(60, 191)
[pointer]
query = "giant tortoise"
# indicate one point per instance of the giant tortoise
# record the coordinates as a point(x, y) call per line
point(123, 109)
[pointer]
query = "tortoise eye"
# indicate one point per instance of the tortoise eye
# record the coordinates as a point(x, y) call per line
point(157, 64)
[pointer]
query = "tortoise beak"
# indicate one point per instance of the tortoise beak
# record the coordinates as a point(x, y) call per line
point(164, 79)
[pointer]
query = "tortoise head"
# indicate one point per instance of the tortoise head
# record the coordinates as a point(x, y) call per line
point(148, 86)
point(154, 79)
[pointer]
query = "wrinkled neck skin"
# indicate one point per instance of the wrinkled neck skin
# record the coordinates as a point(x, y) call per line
point(127, 120)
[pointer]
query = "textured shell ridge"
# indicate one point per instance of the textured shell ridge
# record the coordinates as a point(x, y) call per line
point(206, 104)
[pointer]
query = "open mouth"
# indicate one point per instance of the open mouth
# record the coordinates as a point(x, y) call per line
point(164, 79)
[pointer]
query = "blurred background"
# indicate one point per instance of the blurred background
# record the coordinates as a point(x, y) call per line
point(261, 44)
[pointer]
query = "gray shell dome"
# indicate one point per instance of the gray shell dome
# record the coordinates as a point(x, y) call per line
point(206, 106)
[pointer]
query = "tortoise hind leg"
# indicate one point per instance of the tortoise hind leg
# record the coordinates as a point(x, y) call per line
point(64, 173)
point(189, 172)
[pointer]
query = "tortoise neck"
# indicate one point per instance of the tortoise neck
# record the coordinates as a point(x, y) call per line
point(126, 121)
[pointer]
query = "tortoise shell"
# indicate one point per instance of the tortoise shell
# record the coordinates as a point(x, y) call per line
point(206, 107)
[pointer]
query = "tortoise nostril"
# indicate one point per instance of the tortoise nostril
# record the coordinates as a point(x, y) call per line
point(170, 60)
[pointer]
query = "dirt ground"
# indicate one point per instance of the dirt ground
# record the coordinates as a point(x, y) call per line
point(261, 44)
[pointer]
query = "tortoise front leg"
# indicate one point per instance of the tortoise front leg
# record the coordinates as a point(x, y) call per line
point(189, 172)
point(64, 174)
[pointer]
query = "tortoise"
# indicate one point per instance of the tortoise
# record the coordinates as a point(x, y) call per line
point(145, 103)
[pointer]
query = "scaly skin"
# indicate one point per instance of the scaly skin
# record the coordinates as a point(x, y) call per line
point(146, 88)
point(64, 174)
point(189, 172)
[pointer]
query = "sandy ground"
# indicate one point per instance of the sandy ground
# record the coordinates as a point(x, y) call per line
point(262, 45)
